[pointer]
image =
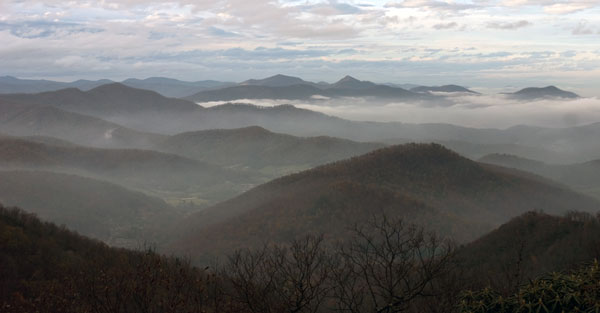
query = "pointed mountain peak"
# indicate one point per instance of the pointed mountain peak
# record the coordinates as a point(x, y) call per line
point(348, 78)
point(349, 82)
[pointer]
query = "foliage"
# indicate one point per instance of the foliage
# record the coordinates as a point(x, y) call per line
point(578, 291)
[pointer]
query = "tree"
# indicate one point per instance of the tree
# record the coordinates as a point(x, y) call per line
point(387, 265)
point(280, 278)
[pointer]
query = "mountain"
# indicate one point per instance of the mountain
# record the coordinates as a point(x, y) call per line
point(293, 88)
point(424, 183)
point(259, 148)
point(46, 268)
point(531, 245)
point(277, 81)
point(151, 171)
point(569, 144)
point(584, 177)
point(133, 108)
point(349, 82)
point(403, 86)
point(9, 84)
point(295, 92)
point(149, 112)
point(174, 88)
point(34, 120)
point(107, 101)
point(94, 208)
point(533, 93)
point(445, 88)
point(167, 87)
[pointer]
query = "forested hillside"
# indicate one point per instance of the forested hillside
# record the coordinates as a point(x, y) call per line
point(424, 183)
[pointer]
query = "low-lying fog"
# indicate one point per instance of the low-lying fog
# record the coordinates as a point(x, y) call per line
point(481, 111)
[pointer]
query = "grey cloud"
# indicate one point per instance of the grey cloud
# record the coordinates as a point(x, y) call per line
point(445, 26)
point(508, 25)
point(432, 5)
point(214, 31)
point(42, 29)
point(583, 28)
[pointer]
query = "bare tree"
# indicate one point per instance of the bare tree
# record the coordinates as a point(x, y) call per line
point(387, 266)
point(280, 278)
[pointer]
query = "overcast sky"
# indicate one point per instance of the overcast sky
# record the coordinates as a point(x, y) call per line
point(495, 44)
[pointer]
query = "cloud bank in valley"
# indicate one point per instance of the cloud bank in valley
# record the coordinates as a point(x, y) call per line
point(480, 111)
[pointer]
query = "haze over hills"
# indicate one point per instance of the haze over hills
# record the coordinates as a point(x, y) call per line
point(259, 148)
point(91, 207)
point(34, 120)
point(425, 183)
point(157, 173)
point(533, 93)
point(150, 114)
point(584, 177)
point(174, 88)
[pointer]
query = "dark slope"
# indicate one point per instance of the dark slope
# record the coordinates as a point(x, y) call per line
point(444, 88)
point(533, 93)
point(426, 183)
point(257, 147)
point(143, 169)
point(32, 120)
point(46, 268)
point(174, 88)
point(531, 245)
point(94, 208)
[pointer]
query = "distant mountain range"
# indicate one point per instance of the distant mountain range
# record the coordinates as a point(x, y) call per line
point(9, 84)
point(292, 88)
point(167, 87)
point(427, 184)
point(273, 87)
point(115, 115)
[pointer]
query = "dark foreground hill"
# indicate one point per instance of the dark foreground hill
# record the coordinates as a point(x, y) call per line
point(258, 148)
point(531, 245)
point(46, 268)
point(94, 208)
point(424, 183)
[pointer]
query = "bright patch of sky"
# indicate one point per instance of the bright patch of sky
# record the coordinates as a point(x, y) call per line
point(487, 44)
